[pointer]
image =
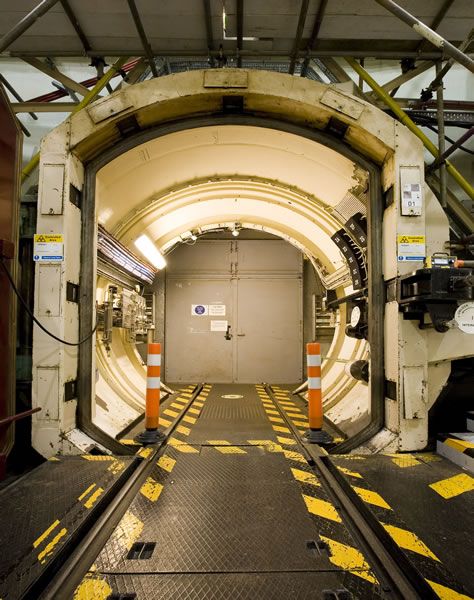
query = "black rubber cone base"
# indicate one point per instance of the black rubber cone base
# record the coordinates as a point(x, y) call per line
point(317, 436)
point(150, 436)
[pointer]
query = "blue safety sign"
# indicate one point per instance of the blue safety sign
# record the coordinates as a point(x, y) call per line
point(199, 310)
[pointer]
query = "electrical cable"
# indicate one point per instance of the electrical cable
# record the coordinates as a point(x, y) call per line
point(35, 320)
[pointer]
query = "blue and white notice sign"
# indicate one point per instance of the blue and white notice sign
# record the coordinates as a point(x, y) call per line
point(199, 310)
point(48, 247)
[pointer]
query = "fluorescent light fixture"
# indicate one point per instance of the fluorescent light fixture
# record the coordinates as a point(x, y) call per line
point(150, 251)
point(235, 232)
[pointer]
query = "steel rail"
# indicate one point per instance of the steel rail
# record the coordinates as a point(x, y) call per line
point(397, 577)
point(66, 571)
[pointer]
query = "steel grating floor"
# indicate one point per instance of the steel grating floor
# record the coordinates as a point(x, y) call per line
point(228, 516)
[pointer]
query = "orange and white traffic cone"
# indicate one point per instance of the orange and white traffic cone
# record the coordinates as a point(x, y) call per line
point(315, 433)
point(151, 435)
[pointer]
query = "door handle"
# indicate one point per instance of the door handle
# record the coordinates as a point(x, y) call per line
point(241, 335)
point(228, 335)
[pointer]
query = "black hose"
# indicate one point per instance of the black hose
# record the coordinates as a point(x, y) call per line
point(32, 316)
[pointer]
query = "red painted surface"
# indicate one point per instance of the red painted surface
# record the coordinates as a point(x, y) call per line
point(10, 148)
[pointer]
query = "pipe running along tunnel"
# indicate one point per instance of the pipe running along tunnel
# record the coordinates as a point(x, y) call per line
point(304, 165)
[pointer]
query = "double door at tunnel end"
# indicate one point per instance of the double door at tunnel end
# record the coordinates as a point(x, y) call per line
point(234, 312)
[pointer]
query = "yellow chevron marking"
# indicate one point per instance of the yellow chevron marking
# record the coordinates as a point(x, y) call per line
point(165, 422)
point(459, 445)
point(92, 588)
point(43, 555)
point(97, 457)
point(269, 445)
point(350, 473)
point(276, 419)
point(294, 456)
point(296, 413)
point(349, 559)
point(93, 498)
point(281, 429)
point(194, 411)
point(446, 593)
point(304, 477)
point(271, 411)
point(198, 404)
point(182, 429)
point(188, 419)
point(230, 450)
point(182, 446)
point(287, 403)
point(166, 462)
point(176, 405)
point(181, 401)
point(86, 492)
point(371, 497)
point(409, 541)
point(301, 423)
point(186, 394)
point(151, 489)
point(144, 452)
point(453, 486)
point(287, 441)
point(45, 534)
point(321, 508)
point(171, 413)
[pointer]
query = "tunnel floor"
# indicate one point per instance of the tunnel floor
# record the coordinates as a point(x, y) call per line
point(232, 509)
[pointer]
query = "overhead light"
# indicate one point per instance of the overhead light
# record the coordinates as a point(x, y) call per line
point(194, 237)
point(235, 232)
point(150, 251)
point(236, 229)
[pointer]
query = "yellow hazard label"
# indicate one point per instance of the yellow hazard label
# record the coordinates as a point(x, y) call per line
point(48, 238)
point(411, 239)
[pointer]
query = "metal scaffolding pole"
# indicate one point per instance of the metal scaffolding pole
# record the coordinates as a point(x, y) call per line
point(25, 23)
point(441, 139)
point(141, 32)
point(426, 32)
point(299, 35)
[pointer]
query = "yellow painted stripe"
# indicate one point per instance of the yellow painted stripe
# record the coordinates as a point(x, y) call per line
point(89, 503)
point(182, 446)
point(218, 442)
point(182, 429)
point(321, 508)
point(42, 556)
point(97, 457)
point(171, 413)
point(271, 411)
point(349, 559)
point(404, 460)
point(409, 541)
point(293, 413)
point(45, 534)
point(453, 486)
point(294, 456)
point(281, 429)
point(230, 450)
point(371, 497)
point(276, 419)
point(176, 405)
point(304, 477)
point(188, 419)
point(446, 593)
point(166, 462)
point(349, 472)
point(287, 441)
point(144, 452)
point(186, 394)
point(269, 445)
point(92, 588)
point(128, 530)
point(198, 404)
point(194, 411)
point(165, 422)
point(182, 401)
point(151, 489)
point(301, 423)
point(459, 445)
point(288, 403)
point(116, 466)
point(86, 492)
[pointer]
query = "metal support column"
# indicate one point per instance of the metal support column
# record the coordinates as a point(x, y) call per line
point(441, 138)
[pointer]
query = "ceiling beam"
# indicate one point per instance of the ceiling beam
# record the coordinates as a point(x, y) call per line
point(314, 37)
point(19, 29)
point(43, 107)
point(299, 35)
point(77, 27)
point(55, 74)
point(240, 30)
point(424, 44)
point(209, 35)
point(403, 78)
point(141, 32)
point(336, 69)
point(434, 38)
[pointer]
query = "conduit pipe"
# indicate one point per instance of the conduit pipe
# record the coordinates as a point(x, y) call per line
point(25, 23)
point(405, 119)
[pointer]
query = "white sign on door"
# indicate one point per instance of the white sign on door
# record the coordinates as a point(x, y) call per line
point(218, 325)
point(217, 310)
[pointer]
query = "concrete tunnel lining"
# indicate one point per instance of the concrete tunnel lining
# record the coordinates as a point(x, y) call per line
point(297, 215)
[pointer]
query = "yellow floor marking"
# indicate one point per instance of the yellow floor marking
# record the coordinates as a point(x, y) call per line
point(42, 556)
point(429, 457)
point(293, 413)
point(321, 508)
point(285, 440)
point(268, 404)
point(188, 419)
point(182, 446)
point(276, 419)
point(453, 486)
point(151, 489)
point(89, 489)
point(144, 452)
point(194, 411)
point(186, 394)
point(92, 588)
point(166, 462)
point(181, 400)
point(301, 423)
point(128, 530)
point(294, 456)
point(53, 459)
point(270, 411)
point(176, 405)
point(171, 413)
point(404, 460)
point(230, 450)
point(304, 477)
point(288, 403)
point(459, 445)
point(269, 445)
point(182, 429)
point(97, 457)
point(281, 429)
point(218, 442)
point(165, 422)
point(371, 497)
point(45, 534)
point(350, 473)
point(409, 541)
point(116, 466)
point(92, 499)
point(446, 593)
point(199, 404)
point(349, 559)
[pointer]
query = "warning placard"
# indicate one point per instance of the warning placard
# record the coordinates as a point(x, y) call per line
point(48, 247)
point(411, 247)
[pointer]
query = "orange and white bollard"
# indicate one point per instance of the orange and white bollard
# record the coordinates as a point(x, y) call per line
point(315, 433)
point(151, 434)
